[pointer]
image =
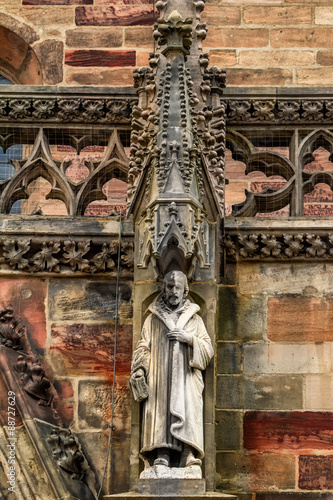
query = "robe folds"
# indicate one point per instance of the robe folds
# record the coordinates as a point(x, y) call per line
point(173, 411)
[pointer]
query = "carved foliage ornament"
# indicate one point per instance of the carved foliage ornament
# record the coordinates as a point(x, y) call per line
point(34, 380)
point(67, 453)
point(282, 246)
point(12, 331)
point(294, 110)
point(66, 255)
point(67, 110)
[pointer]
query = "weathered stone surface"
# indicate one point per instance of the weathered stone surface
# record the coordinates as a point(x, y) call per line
point(94, 409)
point(89, 300)
point(57, 2)
point(139, 37)
point(56, 15)
point(288, 431)
point(230, 392)
point(274, 392)
point(311, 77)
point(294, 496)
point(240, 316)
point(114, 15)
point(109, 58)
point(50, 55)
point(234, 37)
point(277, 15)
point(29, 465)
point(302, 37)
point(315, 472)
point(87, 348)
point(287, 358)
point(23, 30)
point(300, 319)
point(264, 471)
point(95, 37)
point(285, 278)
point(228, 430)
point(28, 300)
point(229, 357)
point(223, 57)
point(319, 392)
point(262, 76)
point(324, 15)
point(276, 58)
point(213, 15)
point(95, 446)
point(112, 77)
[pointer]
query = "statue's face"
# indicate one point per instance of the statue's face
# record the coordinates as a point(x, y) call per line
point(174, 291)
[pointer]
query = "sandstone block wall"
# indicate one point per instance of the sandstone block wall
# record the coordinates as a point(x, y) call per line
point(94, 42)
point(275, 379)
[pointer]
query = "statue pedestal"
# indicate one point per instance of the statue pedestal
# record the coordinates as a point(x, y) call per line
point(132, 495)
point(171, 483)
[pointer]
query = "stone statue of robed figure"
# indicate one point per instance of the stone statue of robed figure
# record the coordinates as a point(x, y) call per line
point(166, 375)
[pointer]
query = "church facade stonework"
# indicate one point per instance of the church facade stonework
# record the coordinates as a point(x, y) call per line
point(166, 250)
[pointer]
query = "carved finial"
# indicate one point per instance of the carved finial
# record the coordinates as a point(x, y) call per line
point(175, 33)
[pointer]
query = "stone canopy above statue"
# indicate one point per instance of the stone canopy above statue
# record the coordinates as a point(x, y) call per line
point(175, 157)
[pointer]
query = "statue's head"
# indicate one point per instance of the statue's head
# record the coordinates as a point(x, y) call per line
point(175, 288)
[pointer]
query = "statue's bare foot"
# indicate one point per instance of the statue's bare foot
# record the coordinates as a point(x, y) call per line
point(187, 458)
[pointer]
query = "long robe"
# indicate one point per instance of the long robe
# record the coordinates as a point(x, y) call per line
point(173, 411)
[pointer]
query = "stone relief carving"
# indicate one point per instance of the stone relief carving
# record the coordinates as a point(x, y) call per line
point(86, 110)
point(12, 331)
point(279, 246)
point(34, 380)
point(21, 255)
point(67, 453)
point(294, 110)
point(166, 375)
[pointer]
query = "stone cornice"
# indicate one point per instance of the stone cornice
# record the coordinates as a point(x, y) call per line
point(81, 105)
point(113, 106)
point(285, 106)
point(289, 239)
point(65, 246)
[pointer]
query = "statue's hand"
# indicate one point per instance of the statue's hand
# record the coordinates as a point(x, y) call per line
point(181, 336)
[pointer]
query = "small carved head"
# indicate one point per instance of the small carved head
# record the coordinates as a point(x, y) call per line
point(175, 288)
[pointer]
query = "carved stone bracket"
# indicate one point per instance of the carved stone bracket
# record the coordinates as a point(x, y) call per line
point(265, 241)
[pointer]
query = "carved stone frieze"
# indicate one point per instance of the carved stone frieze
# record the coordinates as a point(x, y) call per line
point(63, 255)
point(86, 110)
point(278, 110)
point(283, 244)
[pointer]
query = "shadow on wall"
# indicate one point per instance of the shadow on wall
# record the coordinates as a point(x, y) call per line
point(18, 61)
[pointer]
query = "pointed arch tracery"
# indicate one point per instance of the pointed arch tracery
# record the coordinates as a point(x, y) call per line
point(75, 195)
point(270, 164)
